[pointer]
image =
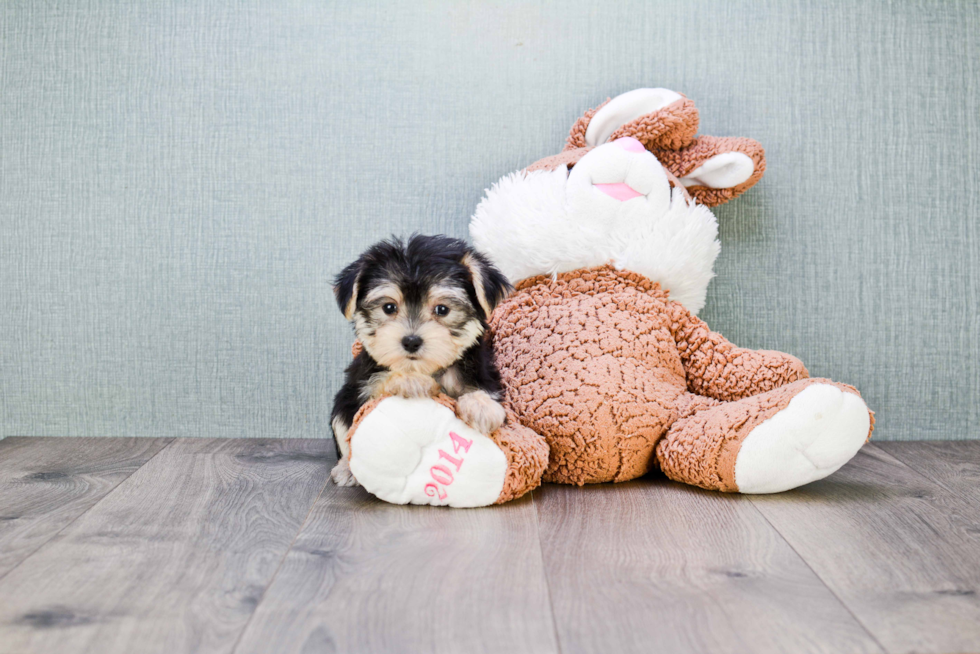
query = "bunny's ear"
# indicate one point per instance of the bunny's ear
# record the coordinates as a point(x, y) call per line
point(658, 118)
point(716, 169)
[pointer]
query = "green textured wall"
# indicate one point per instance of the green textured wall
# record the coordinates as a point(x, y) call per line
point(178, 182)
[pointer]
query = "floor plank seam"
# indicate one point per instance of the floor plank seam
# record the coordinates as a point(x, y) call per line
point(847, 608)
point(958, 493)
point(275, 574)
point(99, 501)
point(544, 573)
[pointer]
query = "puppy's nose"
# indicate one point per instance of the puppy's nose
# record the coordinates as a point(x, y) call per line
point(412, 343)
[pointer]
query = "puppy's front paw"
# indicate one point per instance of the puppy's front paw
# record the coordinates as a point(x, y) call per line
point(481, 412)
point(410, 385)
point(341, 474)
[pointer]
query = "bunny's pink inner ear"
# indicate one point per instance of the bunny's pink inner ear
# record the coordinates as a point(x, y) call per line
point(624, 109)
point(725, 170)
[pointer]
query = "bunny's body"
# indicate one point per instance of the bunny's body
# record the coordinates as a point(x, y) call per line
point(621, 380)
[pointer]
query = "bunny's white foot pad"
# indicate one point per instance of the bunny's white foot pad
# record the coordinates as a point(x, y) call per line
point(820, 430)
point(418, 452)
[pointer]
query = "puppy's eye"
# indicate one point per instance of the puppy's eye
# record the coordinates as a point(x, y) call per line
point(390, 308)
point(442, 310)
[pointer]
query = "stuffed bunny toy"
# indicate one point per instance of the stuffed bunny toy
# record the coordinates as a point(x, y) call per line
point(607, 371)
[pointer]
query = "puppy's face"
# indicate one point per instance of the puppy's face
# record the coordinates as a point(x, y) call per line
point(416, 307)
point(414, 328)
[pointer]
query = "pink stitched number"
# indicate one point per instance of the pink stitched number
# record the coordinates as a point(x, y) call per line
point(435, 491)
point(453, 460)
point(447, 474)
point(459, 442)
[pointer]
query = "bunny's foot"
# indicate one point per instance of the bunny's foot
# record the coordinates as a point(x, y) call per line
point(417, 451)
point(768, 443)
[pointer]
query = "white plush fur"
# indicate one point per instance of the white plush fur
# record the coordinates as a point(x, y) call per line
point(549, 222)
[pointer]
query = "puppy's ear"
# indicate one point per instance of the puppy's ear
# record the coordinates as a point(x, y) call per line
point(489, 283)
point(346, 286)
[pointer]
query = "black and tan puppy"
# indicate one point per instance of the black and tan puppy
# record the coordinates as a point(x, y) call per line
point(420, 310)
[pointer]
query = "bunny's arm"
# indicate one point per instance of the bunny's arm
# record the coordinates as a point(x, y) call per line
point(721, 370)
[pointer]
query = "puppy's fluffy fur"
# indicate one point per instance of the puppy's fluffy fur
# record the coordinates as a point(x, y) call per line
point(420, 310)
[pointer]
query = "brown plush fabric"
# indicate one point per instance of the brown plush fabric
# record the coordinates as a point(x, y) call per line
point(589, 361)
point(718, 369)
point(527, 457)
point(583, 365)
point(701, 447)
point(670, 128)
point(603, 364)
point(526, 452)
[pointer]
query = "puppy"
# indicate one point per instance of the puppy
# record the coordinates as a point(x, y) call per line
point(420, 310)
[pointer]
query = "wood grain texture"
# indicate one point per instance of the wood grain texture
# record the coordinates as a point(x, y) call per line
point(653, 566)
point(365, 576)
point(45, 483)
point(225, 545)
point(955, 465)
point(175, 560)
point(901, 551)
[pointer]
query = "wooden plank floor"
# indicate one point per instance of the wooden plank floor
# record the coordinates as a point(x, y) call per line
point(193, 545)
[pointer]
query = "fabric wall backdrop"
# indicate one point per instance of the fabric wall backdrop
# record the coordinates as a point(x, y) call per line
point(180, 181)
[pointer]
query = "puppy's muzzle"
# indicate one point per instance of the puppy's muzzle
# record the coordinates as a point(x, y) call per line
point(412, 343)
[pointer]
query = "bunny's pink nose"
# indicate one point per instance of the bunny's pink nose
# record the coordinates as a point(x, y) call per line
point(630, 144)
